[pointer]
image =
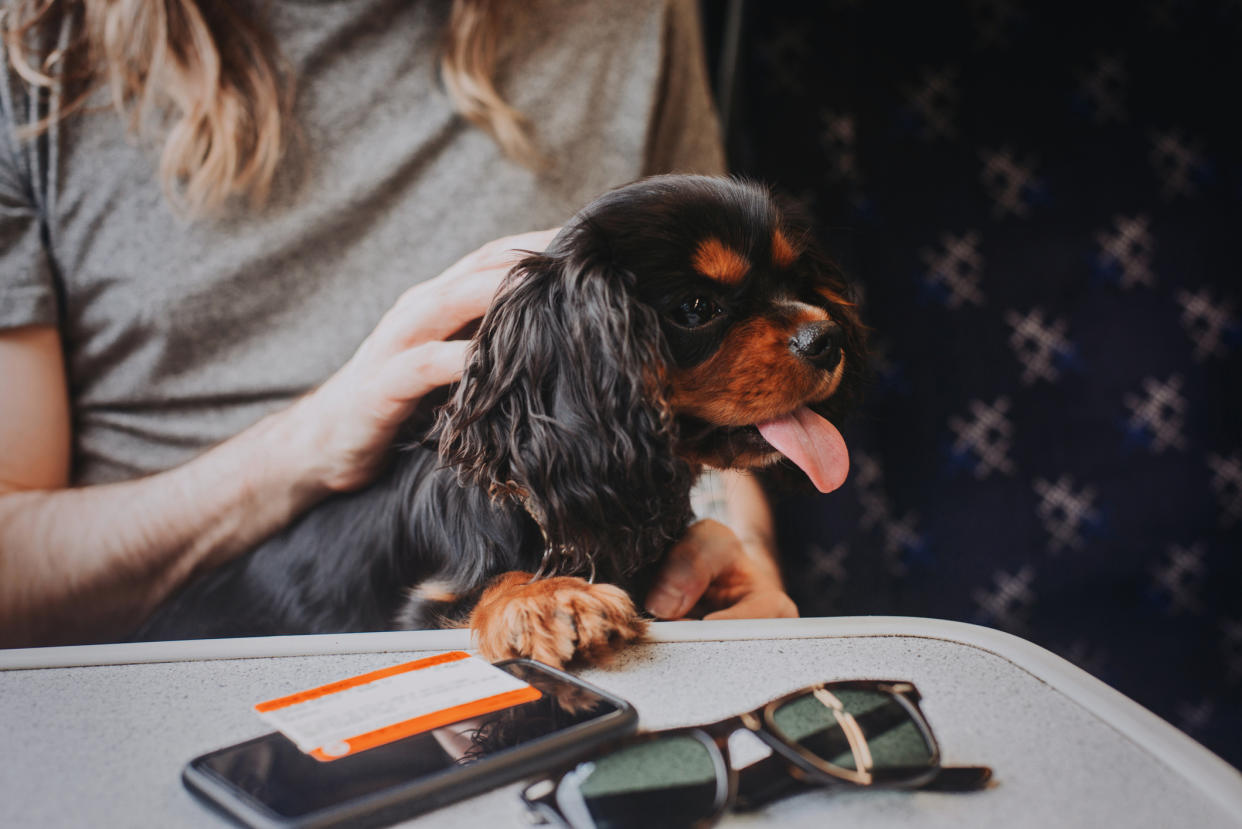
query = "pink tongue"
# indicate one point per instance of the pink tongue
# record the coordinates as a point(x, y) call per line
point(813, 444)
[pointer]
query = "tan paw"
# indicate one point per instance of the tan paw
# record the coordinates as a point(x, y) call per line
point(554, 620)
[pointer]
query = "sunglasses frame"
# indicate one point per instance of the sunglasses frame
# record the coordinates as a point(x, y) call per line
point(544, 797)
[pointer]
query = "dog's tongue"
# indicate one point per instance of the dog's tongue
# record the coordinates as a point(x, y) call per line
point(813, 444)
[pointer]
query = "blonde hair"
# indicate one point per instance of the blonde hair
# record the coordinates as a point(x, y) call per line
point(199, 74)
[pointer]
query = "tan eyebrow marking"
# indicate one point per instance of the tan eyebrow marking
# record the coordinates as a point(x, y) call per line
point(783, 253)
point(716, 260)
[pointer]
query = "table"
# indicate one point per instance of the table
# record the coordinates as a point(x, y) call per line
point(97, 735)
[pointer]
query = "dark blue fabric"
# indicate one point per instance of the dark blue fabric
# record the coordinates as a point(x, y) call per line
point(1041, 206)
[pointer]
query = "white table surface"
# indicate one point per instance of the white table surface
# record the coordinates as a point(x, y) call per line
point(97, 735)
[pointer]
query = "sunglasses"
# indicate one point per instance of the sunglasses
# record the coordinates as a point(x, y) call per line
point(864, 733)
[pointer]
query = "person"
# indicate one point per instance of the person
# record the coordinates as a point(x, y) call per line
point(206, 205)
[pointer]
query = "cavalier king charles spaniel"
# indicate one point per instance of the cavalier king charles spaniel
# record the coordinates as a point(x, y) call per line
point(675, 324)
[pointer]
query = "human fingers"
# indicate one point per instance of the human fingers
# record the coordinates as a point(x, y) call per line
point(428, 313)
point(350, 420)
point(477, 271)
point(437, 308)
point(505, 250)
point(355, 413)
point(690, 568)
point(404, 378)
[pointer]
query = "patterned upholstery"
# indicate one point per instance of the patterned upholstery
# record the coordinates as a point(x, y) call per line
point(1040, 204)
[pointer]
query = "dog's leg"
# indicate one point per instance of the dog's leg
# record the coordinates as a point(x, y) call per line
point(554, 620)
point(437, 603)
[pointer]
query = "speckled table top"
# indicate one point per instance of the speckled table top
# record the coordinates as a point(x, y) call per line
point(103, 745)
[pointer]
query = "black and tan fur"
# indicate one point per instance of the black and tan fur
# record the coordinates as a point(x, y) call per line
point(666, 320)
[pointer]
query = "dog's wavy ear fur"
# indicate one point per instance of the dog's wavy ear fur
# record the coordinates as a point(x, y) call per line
point(562, 408)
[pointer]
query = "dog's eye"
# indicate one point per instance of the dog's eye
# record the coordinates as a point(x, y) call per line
point(696, 312)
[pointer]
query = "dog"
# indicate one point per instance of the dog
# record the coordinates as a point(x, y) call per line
point(674, 324)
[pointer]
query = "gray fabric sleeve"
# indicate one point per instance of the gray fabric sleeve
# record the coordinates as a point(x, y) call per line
point(27, 291)
point(685, 130)
point(27, 296)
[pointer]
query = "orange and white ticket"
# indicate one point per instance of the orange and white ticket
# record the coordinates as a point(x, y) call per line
point(352, 715)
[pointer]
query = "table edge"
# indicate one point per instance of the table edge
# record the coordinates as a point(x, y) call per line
point(1217, 779)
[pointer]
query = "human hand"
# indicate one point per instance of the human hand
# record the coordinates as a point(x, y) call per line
point(711, 571)
point(350, 421)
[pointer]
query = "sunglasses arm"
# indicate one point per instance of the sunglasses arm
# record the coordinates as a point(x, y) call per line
point(772, 778)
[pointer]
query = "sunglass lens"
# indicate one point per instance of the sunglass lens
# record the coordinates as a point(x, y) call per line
point(856, 729)
point(669, 782)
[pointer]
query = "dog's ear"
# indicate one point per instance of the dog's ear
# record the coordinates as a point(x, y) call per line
point(562, 407)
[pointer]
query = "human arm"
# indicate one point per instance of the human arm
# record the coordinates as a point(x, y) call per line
point(87, 564)
point(725, 572)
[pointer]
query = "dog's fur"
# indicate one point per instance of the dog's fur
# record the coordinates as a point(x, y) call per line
point(663, 322)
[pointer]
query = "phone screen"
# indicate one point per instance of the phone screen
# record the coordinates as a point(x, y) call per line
point(273, 771)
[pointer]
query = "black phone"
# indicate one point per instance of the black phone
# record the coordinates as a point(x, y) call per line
point(269, 782)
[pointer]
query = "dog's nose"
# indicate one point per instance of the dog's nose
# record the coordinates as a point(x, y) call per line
point(819, 343)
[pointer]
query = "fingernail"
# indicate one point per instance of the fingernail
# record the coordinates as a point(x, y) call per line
point(664, 602)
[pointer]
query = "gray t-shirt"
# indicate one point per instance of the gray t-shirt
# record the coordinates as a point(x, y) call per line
point(181, 333)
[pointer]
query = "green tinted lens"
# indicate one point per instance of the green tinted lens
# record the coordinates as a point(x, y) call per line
point(667, 782)
point(887, 737)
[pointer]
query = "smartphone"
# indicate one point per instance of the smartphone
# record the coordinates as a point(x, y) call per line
point(269, 782)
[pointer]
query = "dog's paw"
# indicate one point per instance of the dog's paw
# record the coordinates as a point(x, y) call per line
point(554, 620)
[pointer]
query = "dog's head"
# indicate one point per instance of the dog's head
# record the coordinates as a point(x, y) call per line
point(675, 323)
